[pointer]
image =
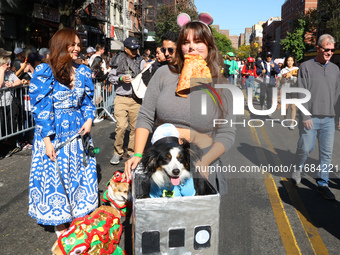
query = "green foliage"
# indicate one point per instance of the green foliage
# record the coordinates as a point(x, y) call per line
point(166, 19)
point(222, 42)
point(294, 41)
point(243, 51)
point(329, 18)
point(66, 9)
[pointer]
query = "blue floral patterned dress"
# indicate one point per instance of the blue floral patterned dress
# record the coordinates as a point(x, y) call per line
point(60, 112)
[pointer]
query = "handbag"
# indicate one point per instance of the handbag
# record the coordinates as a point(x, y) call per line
point(260, 78)
point(137, 83)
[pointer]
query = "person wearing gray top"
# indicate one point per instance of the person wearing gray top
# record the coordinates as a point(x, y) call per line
point(162, 105)
point(126, 104)
point(322, 79)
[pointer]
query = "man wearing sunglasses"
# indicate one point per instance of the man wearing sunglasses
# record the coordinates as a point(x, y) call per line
point(322, 78)
point(269, 70)
point(169, 42)
point(126, 104)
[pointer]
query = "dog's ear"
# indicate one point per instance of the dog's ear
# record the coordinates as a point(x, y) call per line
point(193, 151)
point(149, 160)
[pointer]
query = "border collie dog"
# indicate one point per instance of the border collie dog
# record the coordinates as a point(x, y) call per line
point(168, 163)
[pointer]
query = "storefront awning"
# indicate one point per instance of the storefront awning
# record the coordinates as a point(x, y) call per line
point(116, 45)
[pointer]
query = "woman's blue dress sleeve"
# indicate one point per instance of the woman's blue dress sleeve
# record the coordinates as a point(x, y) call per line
point(88, 108)
point(40, 92)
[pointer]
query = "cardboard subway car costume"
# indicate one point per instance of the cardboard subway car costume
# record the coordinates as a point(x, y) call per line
point(174, 225)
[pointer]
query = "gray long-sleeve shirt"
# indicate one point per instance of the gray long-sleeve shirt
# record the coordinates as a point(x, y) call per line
point(162, 105)
point(323, 82)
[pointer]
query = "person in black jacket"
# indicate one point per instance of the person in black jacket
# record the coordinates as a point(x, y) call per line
point(98, 77)
point(160, 61)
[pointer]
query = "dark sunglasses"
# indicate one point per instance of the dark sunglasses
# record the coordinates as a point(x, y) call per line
point(170, 50)
point(326, 50)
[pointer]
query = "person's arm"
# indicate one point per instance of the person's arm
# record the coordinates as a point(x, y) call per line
point(41, 99)
point(302, 82)
point(243, 72)
point(2, 75)
point(141, 137)
point(214, 153)
point(21, 69)
point(224, 136)
point(88, 108)
point(145, 119)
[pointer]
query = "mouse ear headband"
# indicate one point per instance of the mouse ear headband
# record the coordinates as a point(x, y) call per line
point(203, 17)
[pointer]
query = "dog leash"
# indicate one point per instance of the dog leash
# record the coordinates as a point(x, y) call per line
point(88, 151)
point(59, 173)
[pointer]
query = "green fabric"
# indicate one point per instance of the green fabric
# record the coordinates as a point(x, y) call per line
point(83, 240)
point(233, 66)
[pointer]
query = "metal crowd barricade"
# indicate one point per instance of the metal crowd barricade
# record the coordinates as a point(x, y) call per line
point(15, 109)
point(15, 112)
point(104, 95)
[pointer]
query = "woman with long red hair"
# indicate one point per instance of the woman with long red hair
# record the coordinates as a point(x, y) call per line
point(63, 178)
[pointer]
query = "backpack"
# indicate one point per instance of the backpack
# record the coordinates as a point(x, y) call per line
point(114, 60)
point(226, 70)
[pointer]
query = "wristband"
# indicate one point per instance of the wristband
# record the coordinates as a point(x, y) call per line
point(121, 78)
point(138, 155)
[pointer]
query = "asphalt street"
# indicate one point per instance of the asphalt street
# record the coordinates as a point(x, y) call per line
point(263, 213)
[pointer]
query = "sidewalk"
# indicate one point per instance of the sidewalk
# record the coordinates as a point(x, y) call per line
point(19, 233)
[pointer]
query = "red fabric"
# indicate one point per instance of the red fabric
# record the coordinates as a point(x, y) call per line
point(250, 72)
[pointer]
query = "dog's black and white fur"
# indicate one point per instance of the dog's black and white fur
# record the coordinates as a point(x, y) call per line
point(168, 163)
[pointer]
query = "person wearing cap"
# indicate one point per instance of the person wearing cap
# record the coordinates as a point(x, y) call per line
point(100, 49)
point(82, 60)
point(230, 67)
point(126, 105)
point(249, 73)
point(45, 52)
point(90, 51)
point(269, 70)
point(19, 63)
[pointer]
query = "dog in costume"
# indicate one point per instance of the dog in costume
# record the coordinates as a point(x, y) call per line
point(95, 234)
point(117, 193)
point(168, 163)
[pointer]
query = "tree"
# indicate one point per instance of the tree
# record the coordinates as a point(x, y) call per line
point(244, 51)
point(223, 43)
point(329, 18)
point(294, 41)
point(166, 19)
point(66, 9)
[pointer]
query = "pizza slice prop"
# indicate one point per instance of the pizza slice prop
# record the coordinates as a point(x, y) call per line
point(195, 68)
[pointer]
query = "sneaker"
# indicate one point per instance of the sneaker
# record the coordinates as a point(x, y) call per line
point(326, 192)
point(262, 107)
point(296, 176)
point(115, 159)
point(291, 127)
